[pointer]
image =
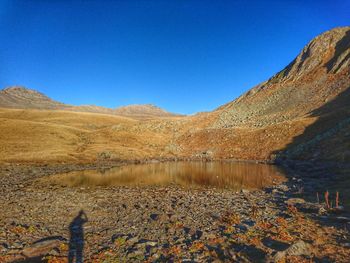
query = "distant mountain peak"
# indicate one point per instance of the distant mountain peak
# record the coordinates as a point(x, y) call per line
point(15, 87)
point(21, 90)
point(23, 98)
point(142, 110)
point(329, 51)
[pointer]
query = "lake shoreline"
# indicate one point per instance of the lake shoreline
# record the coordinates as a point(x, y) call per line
point(163, 223)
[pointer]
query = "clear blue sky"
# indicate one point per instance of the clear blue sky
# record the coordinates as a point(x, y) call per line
point(185, 56)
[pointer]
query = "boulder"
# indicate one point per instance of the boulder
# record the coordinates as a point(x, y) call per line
point(299, 248)
point(42, 247)
point(244, 191)
point(311, 208)
point(295, 201)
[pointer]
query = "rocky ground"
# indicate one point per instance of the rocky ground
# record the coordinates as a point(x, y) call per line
point(41, 222)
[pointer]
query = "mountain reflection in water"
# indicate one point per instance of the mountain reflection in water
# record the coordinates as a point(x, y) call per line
point(231, 175)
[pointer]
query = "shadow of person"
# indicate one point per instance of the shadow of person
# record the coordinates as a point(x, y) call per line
point(76, 242)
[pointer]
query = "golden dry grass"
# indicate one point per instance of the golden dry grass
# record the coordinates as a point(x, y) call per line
point(51, 136)
point(63, 136)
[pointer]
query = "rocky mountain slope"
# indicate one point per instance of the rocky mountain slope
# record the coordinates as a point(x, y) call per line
point(22, 98)
point(316, 76)
point(294, 114)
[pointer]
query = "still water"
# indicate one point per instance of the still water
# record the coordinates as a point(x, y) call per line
point(230, 175)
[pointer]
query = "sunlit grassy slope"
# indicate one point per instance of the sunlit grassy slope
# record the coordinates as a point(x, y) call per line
point(62, 136)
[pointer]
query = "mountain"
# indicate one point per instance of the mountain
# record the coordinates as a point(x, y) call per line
point(22, 98)
point(294, 114)
point(146, 110)
point(302, 112)
point(89, 108)
point(317, 75)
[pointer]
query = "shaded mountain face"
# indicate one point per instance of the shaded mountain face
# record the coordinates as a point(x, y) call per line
point(23, 98)
point(302, 112)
